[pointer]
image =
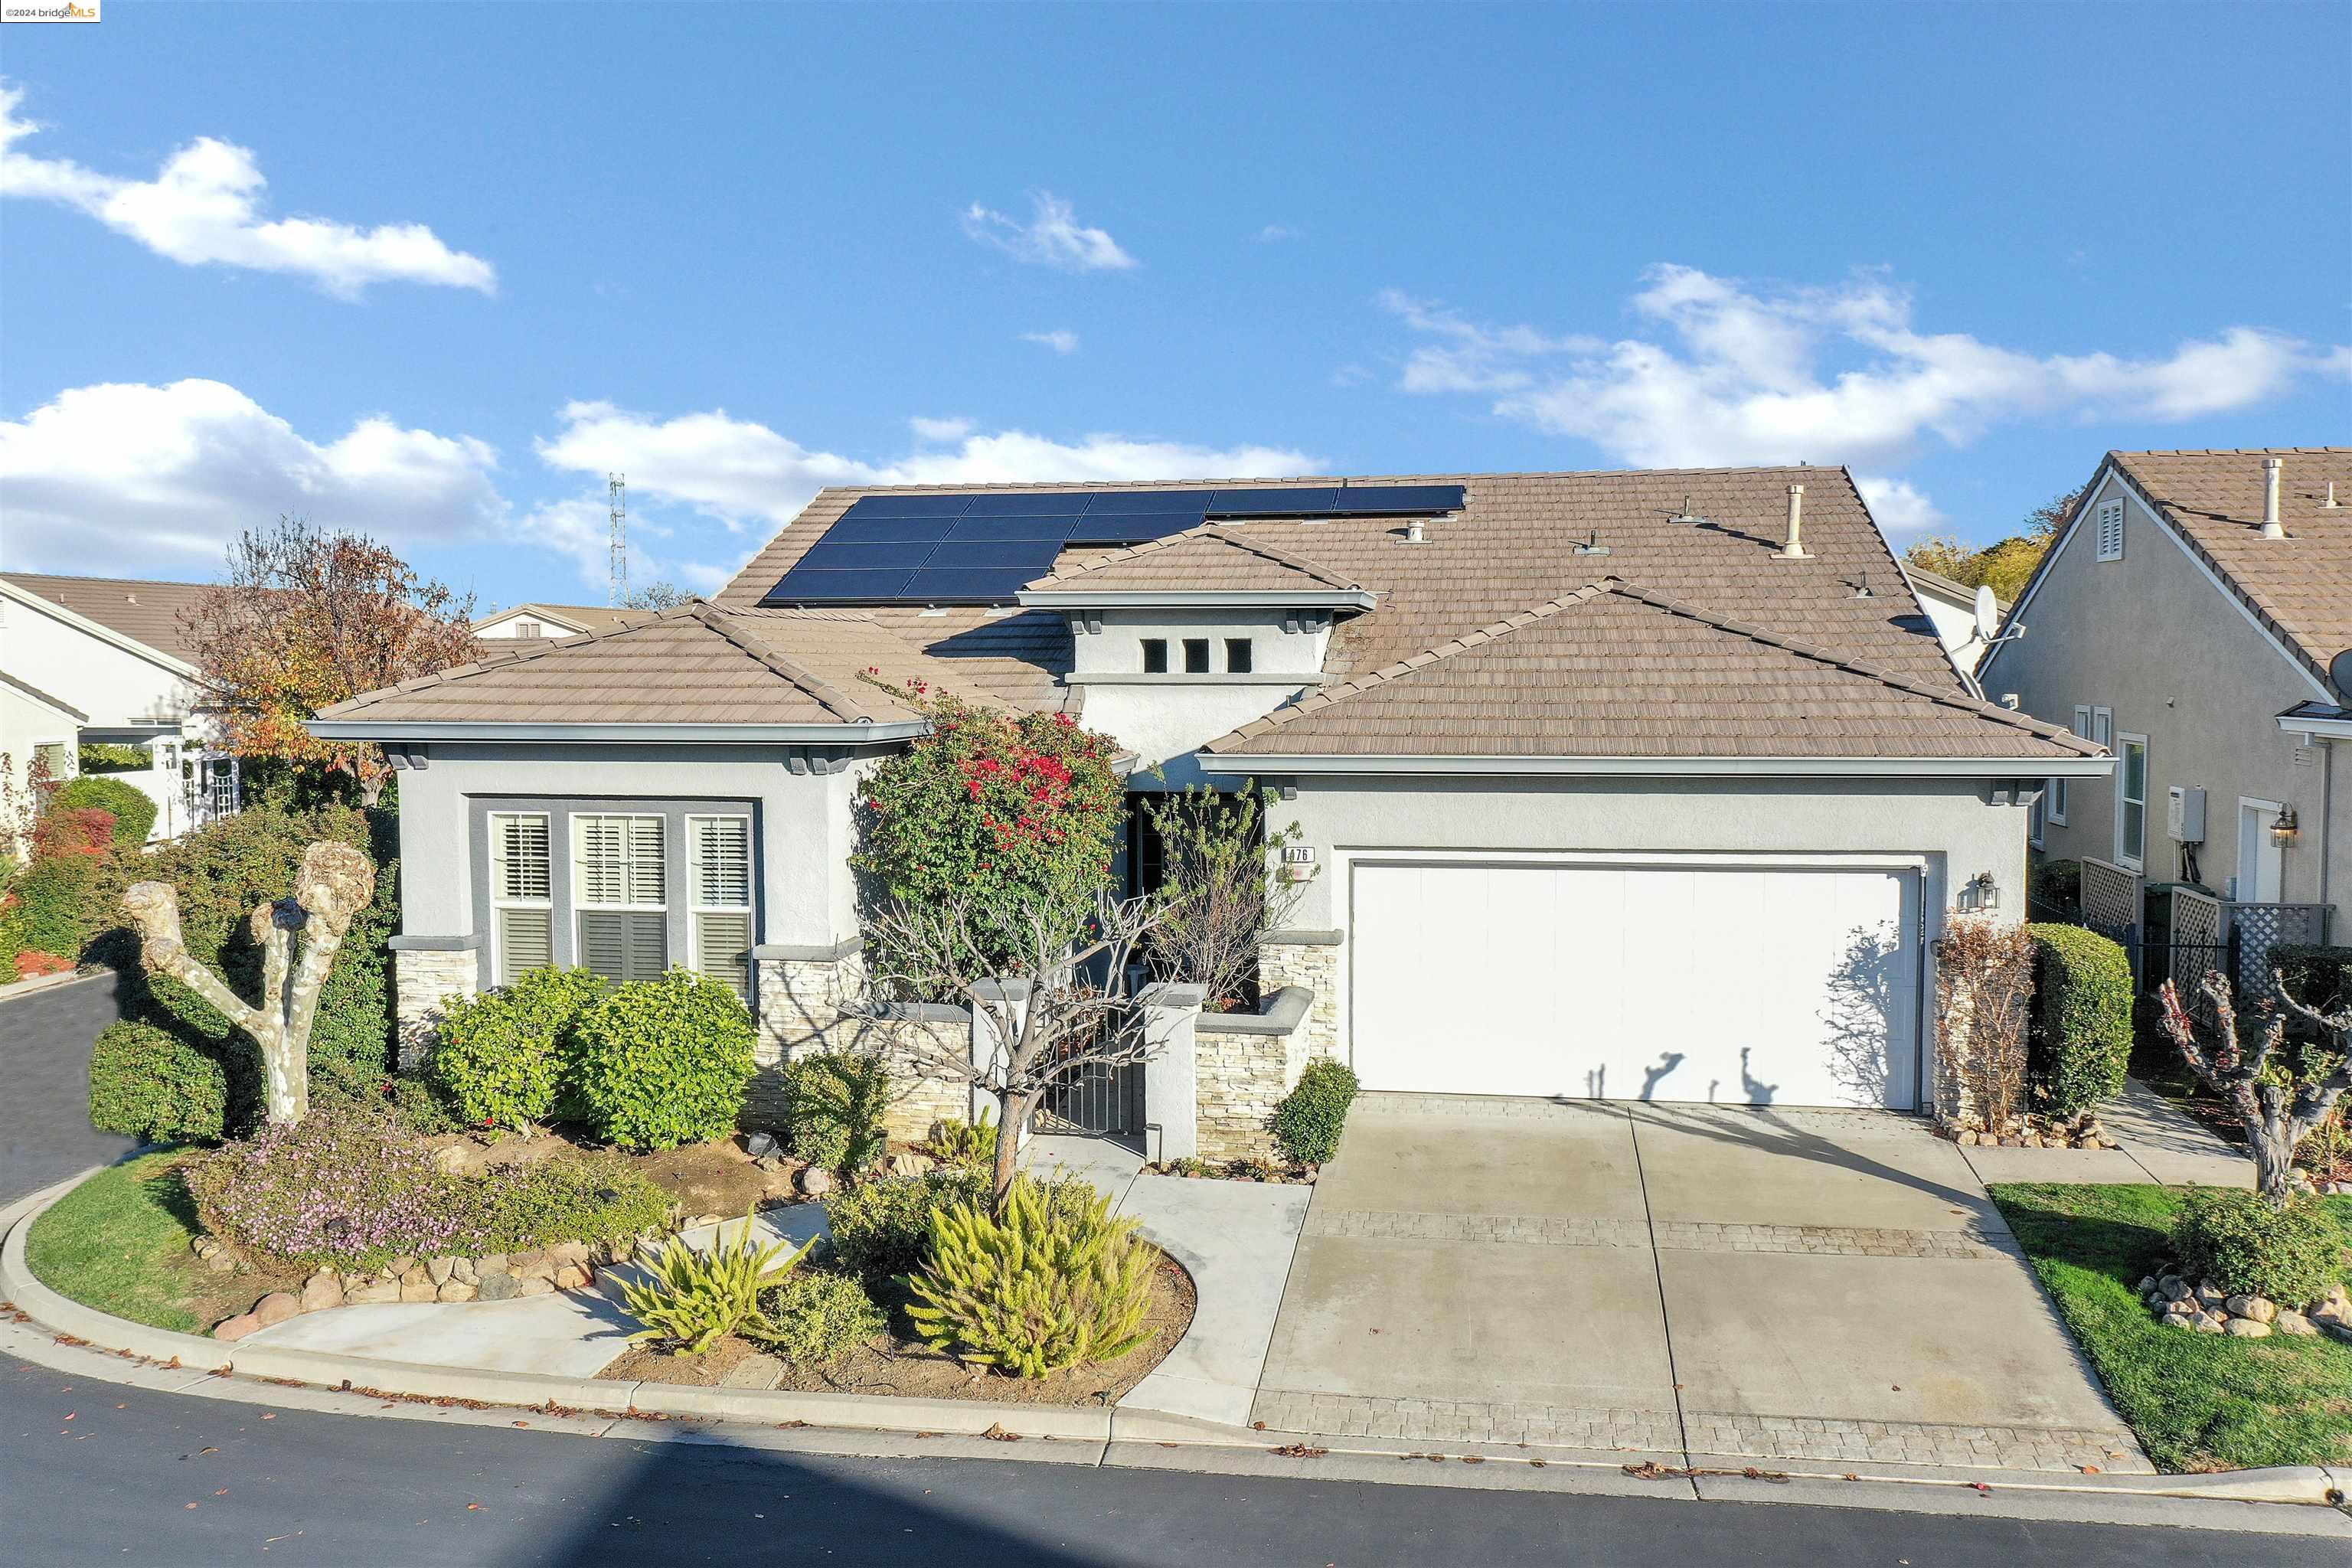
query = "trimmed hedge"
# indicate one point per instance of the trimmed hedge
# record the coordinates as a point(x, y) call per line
point(1308, 1121)
point(834, 1106)
point(2249, 1246)
point(149, 1085)
point(54, 909)
point(505, 1058)
point(664, 1062)
point(134, 813)
point(2081, 1043)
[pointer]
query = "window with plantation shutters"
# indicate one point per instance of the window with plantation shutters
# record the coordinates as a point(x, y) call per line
point(522, 911)
point(620, 884)
point(719, 866)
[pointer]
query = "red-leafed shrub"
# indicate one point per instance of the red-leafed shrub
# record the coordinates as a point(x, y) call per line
point(73, 830)
point(32, 963)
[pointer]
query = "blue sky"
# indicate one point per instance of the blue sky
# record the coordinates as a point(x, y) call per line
point(431, 271)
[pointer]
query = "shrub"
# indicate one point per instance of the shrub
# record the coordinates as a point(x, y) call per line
point(883, 1229)
point(695, 1299)
point(418, 1107)
point(346, 1187)
point(2249, 1246)
point(1047, 1286)
point(134, 812)
point(814, 1318)
point(54, 911)
point(504, 1057)
point(834, 1105)
point(110, 757)
point(2318, 976)
point(1308, 1121)
point(996, 813)
point(518, 1208)
point(149, 1085)
point(2082, 1034)
point(664, 1062)
point(964, 1145)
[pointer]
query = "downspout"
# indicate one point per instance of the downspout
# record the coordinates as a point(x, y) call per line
point(2326, 835)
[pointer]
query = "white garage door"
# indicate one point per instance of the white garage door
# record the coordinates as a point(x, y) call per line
point(1742, 985)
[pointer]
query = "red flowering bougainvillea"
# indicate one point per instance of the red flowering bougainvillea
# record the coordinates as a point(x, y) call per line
point(1001, 812)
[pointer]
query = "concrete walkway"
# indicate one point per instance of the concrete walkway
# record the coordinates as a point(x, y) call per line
point(2158, 1143)
point(1654, 1281)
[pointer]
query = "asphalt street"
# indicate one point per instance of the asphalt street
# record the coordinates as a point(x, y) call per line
point(93, 1472)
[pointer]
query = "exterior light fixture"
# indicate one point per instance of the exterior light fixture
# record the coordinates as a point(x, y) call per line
point(2283, 827)
point(1981, 892)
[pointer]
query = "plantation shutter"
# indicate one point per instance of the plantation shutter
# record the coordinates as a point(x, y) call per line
point(623, 944)
point(723, 950)
point(620, 859)
point(526, 941)
point(721, 861)
point(646, 877)
point(519, 856)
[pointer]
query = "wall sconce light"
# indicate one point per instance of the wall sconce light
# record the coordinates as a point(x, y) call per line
point(2283, 827)
point(1981, 892)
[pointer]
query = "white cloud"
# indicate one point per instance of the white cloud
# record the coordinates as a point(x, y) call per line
point(1060, 340)
point(1900, 506)
point(204, 206)
point(1275, 233)
point(1053, 237)
point(935, 430)
point(1734, 374)
point(131, 478)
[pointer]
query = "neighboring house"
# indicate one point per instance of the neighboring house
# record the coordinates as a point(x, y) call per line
point(1604, 794)
point(37, 732)
point(1951, 608)
point(547, 621)
point(2188, 613)
point(113, 651)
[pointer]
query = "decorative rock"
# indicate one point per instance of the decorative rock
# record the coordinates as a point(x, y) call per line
point(2206, 1323)
point(491, 1263)
point(2210, 1296)
point(2174, 1287)
point(441, 1269)
point(417, 1274)
point(399, 1266)
point(451, 1159)
point(498, 1286)
point(321, 1292)
point(2146, 1284)
point(532, 1265)
point(2180, 1308)
point(816, 1181)
point(570, 1277)
point(2259, 1308)
point(2290, 1321)
point(1966, 1137)
point(759, 1146)
point(770, 1161)
point(2246, 1329)
point(909, 1163)
point(363, 1293)
point(2181, 1320)
point(574, 1253)
point(422, 1290)
point(221, 1263)
point(462, 1271)
point(275, 1308)
point(456, 1290)
point(535, 1286)
point(236, 1327)
point(753, 1371)
point(2013, 1141)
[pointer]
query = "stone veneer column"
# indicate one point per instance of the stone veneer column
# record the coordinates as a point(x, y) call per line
point(1309, 960)
point(426, 971)
point(806, 999)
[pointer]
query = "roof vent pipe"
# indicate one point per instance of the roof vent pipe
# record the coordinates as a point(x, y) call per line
point(1412, 531)
point(2331, 503)
point(2271, 526)
point(1794, 549)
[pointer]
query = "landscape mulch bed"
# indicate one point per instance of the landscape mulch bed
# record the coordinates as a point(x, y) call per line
point(897, 1363)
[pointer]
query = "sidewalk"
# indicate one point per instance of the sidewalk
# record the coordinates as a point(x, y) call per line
point(2158, 1143)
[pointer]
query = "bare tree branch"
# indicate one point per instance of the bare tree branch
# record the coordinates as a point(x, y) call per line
point(2233, 1063)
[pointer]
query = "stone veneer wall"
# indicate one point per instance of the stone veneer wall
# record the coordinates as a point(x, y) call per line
point(818, 1004)
point(1308, 959)
point(423, 979)
point(1240, 1077)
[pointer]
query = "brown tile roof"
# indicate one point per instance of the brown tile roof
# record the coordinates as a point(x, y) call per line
point(2299, 587)
point(591, 618)
point(1611, 671)
point(141, 609)
point(1214, 559)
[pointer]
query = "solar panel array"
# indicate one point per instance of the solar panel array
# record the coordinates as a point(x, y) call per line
point(981, 549)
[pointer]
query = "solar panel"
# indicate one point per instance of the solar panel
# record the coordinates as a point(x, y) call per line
point(890, 530)
point(1311, 501)
point(976, 585)
point(831, 555)
point(1368, 500)
point(801, 586)
point(1060, 504)
point(1132, 529)
point(1124, 503)
point(1034, 556)
point(1054, 528)
point(908, 506)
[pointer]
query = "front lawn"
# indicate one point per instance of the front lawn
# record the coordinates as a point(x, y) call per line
point(119, 1242)
point(2197, 1402)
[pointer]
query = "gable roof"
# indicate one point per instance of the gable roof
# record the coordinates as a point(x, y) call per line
point(1210, 559)
point(574, 617)
point(1610, 670)
point(145, 610)
point(55, 704)
point(2299, 587)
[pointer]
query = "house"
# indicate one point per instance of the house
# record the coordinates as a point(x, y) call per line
point(110, 655)
point(2187, 615)
point(536, 621)
point(1611, 785)
point(1951, 609)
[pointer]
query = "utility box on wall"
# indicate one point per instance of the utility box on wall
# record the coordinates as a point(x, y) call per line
point(2184, 814)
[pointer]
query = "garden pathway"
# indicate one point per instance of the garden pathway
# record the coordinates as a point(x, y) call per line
point(2160, 1142)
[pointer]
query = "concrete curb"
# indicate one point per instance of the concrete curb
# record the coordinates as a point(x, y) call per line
point(2289, 1500)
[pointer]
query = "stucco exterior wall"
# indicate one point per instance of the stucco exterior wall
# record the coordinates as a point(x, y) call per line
point(114, 685)
point(2155, 638)
point(1163, 717)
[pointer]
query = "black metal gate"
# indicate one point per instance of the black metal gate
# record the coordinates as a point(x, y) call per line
point(1100, 1099)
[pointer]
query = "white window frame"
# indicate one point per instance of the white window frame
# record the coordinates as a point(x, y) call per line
point(2107, 523)
point(501, 901)
point(583, 905)
point(2037, 816)
point(696, 906)
point(2061, 795)
point(2124, 743)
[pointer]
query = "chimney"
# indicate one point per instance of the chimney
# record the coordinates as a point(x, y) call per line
point(1794, 549)
point(2271, 526)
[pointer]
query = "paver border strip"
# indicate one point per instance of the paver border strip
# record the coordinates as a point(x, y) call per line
point(103, 1339)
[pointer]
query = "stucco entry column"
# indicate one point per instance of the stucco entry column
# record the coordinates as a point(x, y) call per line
point(1170, 1090)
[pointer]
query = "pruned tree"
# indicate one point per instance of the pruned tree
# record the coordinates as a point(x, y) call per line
point(1058, 1007)
point(1225, 886)
point(308, 619)
point(334, 883)
point(1984, 983)
point(2006, 564)
point(2233, 1058)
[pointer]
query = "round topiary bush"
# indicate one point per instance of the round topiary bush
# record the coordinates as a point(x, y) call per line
point(2249, 1246)
point(815, 1319)
point(504, 1057)
point(134, 813)
point(151, 1085)
point(664, 1062)
point(1308, 1121)
point(834, 1106)
point(2082, 1034)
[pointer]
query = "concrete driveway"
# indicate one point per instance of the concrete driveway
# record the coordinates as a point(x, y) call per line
point(1661, 1281)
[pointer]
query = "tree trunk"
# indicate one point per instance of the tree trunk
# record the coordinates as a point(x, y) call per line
point(1012, 1115)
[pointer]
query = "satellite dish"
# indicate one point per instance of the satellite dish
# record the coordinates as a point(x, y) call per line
point(1988, 612)
point(2339, 671)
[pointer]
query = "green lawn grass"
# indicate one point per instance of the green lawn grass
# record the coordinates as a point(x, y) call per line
point(2197, 1401)
point(119, 1242)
